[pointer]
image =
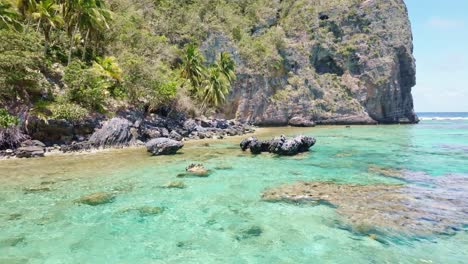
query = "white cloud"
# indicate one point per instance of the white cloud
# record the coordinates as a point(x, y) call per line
point(444, 23)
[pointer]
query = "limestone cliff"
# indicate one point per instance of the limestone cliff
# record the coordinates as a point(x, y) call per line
point(338, 62)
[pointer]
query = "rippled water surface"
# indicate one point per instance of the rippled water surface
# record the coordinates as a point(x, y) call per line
point(221, 218)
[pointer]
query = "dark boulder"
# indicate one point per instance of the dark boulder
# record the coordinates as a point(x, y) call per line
point(279, 145)
point(245, 144)
point(256, 147)
point(114, 133)
point(163, 146)
point(190, 125)
point(276, 144)
point(222, 124)
point(175, 136)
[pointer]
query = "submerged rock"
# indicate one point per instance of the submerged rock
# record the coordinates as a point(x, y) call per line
point(163, 146)
point(149, 211)
point(424, 205)
point(251, 232)
point(176, 185)
point(36, 190)
point(97, 199)
point(197, 170)
point(144, 211)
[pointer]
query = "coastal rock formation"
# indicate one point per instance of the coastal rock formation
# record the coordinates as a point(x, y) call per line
point(115, 132)
point(163, 146)
point(279, 145)
point(128, 128)
point(421, 205)
point(344, 62)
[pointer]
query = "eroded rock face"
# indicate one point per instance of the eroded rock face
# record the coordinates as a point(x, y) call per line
point(115, 132)
point(423, 205)
point(163, 146)
point(351, 63)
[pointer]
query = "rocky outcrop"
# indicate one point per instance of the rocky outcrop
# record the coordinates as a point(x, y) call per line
point(115, 132)
point(58, 131)
point(127, 129)
point(279, 145)
point(163, 146)
point(350, 63)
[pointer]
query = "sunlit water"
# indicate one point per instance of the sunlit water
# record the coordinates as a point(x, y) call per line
point(221, 218)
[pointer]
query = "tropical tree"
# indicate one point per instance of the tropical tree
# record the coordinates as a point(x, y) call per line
point(215, 88)
point(48, 17)
point(8, 17)
point(193, 68)
point(227, 66)
point(90, 17)
point(26, 7)
point(109, 67)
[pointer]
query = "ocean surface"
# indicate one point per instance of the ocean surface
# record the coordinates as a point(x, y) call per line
point(223, 219)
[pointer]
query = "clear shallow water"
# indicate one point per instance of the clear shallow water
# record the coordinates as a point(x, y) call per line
point(221, 219)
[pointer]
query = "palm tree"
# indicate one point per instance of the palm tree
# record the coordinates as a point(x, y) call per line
point(26, 7)
point(193, 69)
point(8, 17)
point(227, 66)
point(109, 67)
point(48, 17)
point(216, 87)
point(91, 17)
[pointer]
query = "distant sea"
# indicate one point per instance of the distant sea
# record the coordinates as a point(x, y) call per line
point(443, 115)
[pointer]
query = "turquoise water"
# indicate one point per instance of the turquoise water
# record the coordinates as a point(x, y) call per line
point(221, 218)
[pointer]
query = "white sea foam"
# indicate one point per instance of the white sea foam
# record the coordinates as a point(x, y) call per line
point(443, 118)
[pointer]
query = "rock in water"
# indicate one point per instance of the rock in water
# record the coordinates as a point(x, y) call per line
point(114, 133)
point(197, 170)
point(163, 146)
point(97, 199)
point(279, 145)
point(245, 144)
point(424, 205)
point(176, 185)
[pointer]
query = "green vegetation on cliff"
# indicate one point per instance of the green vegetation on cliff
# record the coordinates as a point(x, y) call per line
point(263, 61)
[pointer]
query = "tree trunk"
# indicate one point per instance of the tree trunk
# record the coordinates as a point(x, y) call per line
point(71, 44)
point(46, 30)
point(83, 57)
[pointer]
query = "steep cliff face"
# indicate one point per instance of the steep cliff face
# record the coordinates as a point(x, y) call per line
point(338, 62)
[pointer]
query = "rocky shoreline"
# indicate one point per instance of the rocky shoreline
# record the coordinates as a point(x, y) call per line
point(125, 130)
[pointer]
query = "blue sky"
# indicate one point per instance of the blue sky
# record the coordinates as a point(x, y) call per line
point(440, 30)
